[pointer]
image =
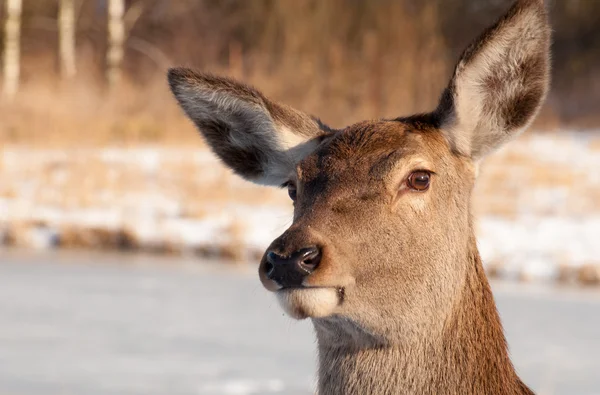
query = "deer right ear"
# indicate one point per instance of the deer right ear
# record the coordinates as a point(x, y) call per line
point(258, 139)
point(499, 83)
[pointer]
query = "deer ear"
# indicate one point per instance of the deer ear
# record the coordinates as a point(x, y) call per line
point(258, 139)
point(499, 83)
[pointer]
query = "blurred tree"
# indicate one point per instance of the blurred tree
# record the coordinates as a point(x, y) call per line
point(367, 58)
point(116, 41)
point(12, 53)
point(66, 22)
point(576, 58)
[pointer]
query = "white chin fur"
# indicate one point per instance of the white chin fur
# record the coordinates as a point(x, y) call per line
point(308, 302)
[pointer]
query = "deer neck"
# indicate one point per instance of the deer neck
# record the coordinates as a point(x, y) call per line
point(470, 357)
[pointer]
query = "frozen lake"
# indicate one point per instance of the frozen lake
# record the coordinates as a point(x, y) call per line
point(81, 323)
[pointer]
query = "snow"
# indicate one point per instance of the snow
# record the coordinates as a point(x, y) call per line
point(552, 238)
point(98, 324)
point(243, 387)
point(537, 202)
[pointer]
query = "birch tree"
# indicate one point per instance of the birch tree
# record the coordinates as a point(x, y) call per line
point(66, 28)
point(12, 51)
point(116, 40)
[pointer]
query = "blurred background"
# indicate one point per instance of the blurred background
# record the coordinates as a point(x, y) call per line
point(99, 167)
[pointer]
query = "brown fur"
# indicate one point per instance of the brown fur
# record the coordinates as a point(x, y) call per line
point(399, 301)
point(468, 358)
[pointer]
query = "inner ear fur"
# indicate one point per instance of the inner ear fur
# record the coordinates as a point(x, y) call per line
point(499, 83)
point(257, 138)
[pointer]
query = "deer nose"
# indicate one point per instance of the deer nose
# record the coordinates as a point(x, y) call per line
point(290, 271)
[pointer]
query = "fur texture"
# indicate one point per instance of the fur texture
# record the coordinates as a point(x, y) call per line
point(500, 82)
point(260, 140)
point(399, 300)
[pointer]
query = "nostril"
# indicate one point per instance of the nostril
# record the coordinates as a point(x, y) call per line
point(310, 259)
point(269, 268)
point(270, 264)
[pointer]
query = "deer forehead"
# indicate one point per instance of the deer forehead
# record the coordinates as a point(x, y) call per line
point(375, 152)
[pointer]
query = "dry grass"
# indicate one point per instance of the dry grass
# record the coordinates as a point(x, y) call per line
point(566, 273)
point(81, 114)
point(589, 274)
point(22, 235)
point(493, 269)
point(54, 192)
point(72, 237)
point(523, 181)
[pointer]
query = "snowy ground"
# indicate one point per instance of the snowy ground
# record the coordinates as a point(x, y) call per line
point(538, 206)
point(537, 203)
point(126, 324)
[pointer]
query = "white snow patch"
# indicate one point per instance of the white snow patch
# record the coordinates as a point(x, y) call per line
point(537, 247)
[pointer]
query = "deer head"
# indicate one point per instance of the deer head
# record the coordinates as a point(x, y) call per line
point(381, 247)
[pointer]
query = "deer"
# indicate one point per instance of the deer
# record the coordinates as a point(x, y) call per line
point(381, 255)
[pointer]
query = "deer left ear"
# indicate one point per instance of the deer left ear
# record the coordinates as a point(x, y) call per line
point(499, 83)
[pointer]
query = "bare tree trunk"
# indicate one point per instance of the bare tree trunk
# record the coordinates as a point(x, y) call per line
point(12, 51)
point(66, 22)
point(116, 39)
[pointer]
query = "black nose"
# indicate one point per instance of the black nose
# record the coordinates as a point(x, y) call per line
point(291, 271)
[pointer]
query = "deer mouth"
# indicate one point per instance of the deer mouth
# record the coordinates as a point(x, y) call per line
point(310, 302)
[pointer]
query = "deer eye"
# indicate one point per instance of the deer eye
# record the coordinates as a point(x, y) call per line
point(291, 190)
point(419, 180)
